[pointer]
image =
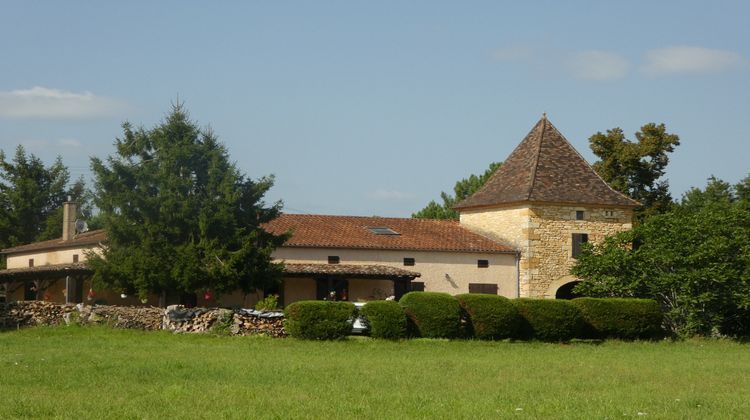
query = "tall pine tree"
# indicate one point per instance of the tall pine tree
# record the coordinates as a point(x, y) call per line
point(180, 216)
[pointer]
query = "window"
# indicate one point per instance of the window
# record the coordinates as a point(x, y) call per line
point(417, 286)
point(409, 261)
point(578, 239)
point(75, 258)
point(334, 259)
point(382, 230)
point(484, 288)
point(579, 214)
point(483, 263)
point(31, 262)
point(609, 214)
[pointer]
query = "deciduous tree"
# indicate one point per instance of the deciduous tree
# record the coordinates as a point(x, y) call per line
point(463, 188)
point(635, 168)
point(694, 259)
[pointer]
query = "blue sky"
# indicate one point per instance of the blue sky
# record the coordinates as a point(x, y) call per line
point(373, 108)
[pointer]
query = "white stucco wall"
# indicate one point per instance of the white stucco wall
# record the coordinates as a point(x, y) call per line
point(449, 272)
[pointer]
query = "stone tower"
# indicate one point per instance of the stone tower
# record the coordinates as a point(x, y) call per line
point(545, 200)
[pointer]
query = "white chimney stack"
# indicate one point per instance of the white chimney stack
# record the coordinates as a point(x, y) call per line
point(70, 211)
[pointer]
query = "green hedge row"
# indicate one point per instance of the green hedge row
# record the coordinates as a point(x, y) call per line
point(432, 315)
point(319, 320)
point(627, 319)
point(484, 317)
point(384, 319)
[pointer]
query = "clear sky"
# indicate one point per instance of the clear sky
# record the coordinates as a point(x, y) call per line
point(373, 108)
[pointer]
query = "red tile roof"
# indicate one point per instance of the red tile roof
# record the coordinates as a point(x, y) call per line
point(323, 231)
point(87, 238)
point(546, 168)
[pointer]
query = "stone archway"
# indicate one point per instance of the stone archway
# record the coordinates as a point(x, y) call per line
point(562, 288)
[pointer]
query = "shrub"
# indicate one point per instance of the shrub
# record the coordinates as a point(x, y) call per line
point(432, 315)
point(268, 303)
point(319, 320)
point(489, 317)
point(385, 319)
point(548, 319)
point(628, 319)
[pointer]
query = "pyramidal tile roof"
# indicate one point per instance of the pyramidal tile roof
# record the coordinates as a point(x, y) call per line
point(545, 167)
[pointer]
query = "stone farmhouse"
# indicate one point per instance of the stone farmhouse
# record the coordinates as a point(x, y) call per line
point(517, 236)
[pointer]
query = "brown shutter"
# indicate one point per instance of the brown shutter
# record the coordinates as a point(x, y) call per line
point(484, 288)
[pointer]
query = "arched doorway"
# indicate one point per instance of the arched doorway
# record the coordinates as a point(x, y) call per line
point(566, 291)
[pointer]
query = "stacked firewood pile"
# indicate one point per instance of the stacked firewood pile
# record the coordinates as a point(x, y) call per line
point(175, 318)
point(180, 319)
point(30, 313)
point(247, 322)
point(131, 317)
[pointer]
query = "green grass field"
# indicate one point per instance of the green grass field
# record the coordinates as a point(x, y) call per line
point(87, 372)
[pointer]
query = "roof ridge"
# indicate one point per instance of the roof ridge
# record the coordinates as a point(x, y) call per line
point(532, 176)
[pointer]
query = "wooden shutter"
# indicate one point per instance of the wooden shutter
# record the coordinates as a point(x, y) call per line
point(484, 288)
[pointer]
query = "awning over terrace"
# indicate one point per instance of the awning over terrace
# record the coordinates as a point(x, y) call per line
point(370, 271)
point(43, 272)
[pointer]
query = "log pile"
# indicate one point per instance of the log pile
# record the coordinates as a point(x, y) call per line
point(34, 312)
point(255, 322)
point(175, 318)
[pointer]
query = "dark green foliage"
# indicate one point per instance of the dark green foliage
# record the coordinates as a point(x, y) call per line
point(31, 198)
point(385, 319)
point(462, 189)
point(548, 319)
point(693, 260)
point(627, 319)
point(489, 317)
point(635, 167)
point(319, 320)
point(180, 216)
point(432, 315)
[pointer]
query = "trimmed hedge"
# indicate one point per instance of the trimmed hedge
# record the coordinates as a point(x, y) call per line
point(384, 319)
point(432, 315)
point(319, 320)
point(628, 319)
point(548, 319)
point(489, 317)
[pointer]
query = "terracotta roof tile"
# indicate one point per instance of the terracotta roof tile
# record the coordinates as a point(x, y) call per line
point(545, 167)
point(323, 231)
point(365, 270)
point(87, 238)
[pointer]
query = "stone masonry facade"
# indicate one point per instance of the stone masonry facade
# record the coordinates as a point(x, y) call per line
point(543, 234)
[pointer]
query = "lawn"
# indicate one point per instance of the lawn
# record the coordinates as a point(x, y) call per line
point(88, 372)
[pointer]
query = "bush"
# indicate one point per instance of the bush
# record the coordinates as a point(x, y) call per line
point(319, 320)
point(432, 315)
point(385, 319)
point(627, 319)
point(268, 303)
point(548, 319)
point(489, 317)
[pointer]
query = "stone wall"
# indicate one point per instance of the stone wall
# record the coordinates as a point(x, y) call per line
point(542, 233)
point(549, 257)
point(175, 318)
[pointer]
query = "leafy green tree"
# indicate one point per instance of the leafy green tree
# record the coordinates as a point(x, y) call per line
point(180, 216)
point(694, 260)
point(463, 189)
point(31, 198)
point(636, 167)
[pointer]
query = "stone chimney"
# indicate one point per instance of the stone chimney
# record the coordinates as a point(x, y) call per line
point(70, 210)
